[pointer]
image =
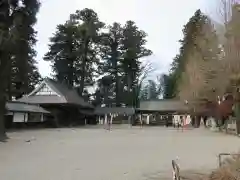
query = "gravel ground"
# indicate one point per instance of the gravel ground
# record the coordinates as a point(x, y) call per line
point(124, 153)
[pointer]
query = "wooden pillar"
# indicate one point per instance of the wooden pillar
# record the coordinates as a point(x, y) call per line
point(42, 117)
point(105, 120)
point(24, 118)
point(148, 119)
point(99, 120)
point(111, 115)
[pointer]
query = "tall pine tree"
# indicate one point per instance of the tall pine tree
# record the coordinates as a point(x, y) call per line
point(89, 33)
point(17, 18)
point(112, 57)
point(5, 63)
point(24, 73)
point(73, 49)
point(63, 53)
point(134, 41)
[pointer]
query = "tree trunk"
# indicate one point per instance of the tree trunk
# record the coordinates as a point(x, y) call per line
point(105, 96)
point(5, 68)
point(137, 91)
point(129, 85)
point(117, 91)
point(84, 66)
point(115, 66)
point(5, 61)
point(81, 88)
point(117, 100)
point(2, 114)
point(70, 75)
point(237, 114)
point(9, 88)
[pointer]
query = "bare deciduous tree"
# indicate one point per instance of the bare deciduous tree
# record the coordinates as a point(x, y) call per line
point(230, 14)
point(199, 81)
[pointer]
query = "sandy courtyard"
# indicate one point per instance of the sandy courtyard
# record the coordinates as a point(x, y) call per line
point(92, 153)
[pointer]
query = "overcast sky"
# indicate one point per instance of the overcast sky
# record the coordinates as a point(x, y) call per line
point(163, 20)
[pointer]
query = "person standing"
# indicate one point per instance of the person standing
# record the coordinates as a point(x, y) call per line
point(109, 121)
point(180, 122)
point(166, 121)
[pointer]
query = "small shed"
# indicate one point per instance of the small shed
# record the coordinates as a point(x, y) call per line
point(118, 115)
point(160, 111)
point(23, 112)
point(163, 106)
point(61, 100)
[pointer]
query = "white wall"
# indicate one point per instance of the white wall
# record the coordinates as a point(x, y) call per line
point(188, 119)
point(19, 117)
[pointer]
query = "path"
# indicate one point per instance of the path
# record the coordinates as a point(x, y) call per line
point(97, 154)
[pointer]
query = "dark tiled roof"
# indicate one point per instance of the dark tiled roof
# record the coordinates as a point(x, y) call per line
point(71, 95)
point(163, 105)
point(23, 107)
point(67, 96)
point(114, 110)
point(89, 112)
point(42, 99)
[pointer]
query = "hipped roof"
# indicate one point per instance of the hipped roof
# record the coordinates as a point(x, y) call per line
point(24, 107)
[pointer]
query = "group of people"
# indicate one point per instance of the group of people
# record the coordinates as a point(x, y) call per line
point(179, 122)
